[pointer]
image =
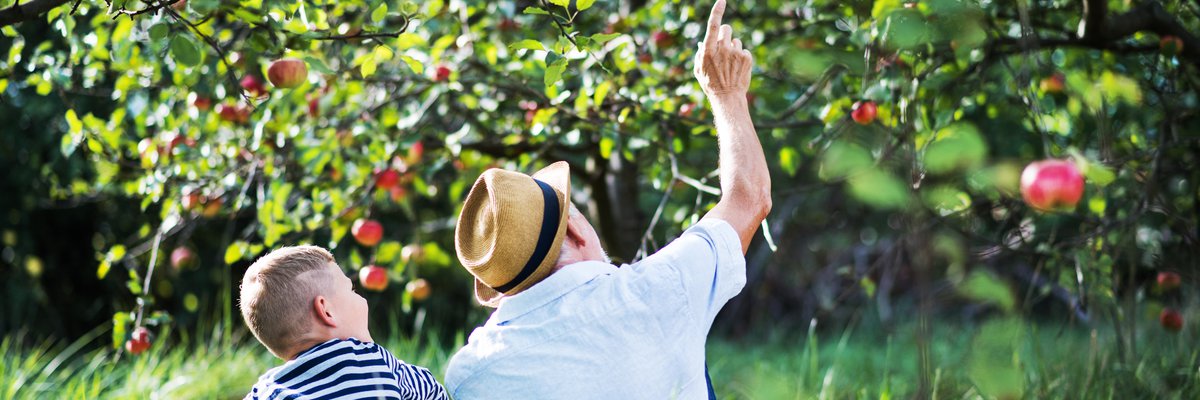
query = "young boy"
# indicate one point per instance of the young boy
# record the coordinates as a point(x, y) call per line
point(300, 305)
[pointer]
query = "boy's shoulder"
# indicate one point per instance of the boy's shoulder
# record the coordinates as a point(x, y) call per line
point(344, 367)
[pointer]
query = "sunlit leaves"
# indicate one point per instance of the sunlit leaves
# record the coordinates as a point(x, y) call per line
point(554, 71)
point(905, 29)
point(956, 146)
point(184, 50)
point(880, 189)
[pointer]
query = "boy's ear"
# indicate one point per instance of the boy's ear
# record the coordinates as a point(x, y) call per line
point(324, 311)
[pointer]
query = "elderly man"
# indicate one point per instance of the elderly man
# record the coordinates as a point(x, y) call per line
point(569, 325)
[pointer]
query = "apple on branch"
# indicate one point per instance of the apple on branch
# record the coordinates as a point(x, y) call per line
point(139, 342)
point(367, 232)
point(373, 278)
point(418, 288)
point(1052, 185)
point(863, 112)
point(287, 73)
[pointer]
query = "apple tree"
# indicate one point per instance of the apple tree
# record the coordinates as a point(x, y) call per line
point(898, 132)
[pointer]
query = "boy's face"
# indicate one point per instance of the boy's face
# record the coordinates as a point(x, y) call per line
point(350, 309)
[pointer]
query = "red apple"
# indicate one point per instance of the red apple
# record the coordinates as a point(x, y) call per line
point(662, 39)
point(441, 74)
point(182, 257)
point(387, 178)
point(287, 73)
point(415, 153)
point(863, 112)
point(645, 58)
point(1171, 320)
point(252, 86)
point(139, 342)
point(1051, 185)
point(687, 109)
point(418, 288)
point(1053, 83)
point(367, 232)
point(1168, 280)
point(212, 207)
point(412, 253)
point(191, 200)
point(397, 193)
point(508, 25)
point(1171, 45)
point(237, 114)
point(373, 278)
point(202, 103)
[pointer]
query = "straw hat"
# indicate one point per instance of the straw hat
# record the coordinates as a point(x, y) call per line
point(511, 229)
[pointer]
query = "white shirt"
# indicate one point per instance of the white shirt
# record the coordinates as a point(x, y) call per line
point(595, 331)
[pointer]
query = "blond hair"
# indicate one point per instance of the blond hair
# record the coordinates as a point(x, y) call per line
point(277, 294)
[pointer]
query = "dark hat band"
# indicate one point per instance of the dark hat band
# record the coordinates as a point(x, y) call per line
point(550, 221)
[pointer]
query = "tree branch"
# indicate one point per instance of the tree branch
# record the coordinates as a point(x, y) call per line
point(23, 12)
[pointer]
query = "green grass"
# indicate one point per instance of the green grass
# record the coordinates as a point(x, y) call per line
point(995, 360)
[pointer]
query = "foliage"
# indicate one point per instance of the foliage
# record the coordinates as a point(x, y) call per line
point(921, 200)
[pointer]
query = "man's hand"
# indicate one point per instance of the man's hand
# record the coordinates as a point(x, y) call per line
point(722, 66)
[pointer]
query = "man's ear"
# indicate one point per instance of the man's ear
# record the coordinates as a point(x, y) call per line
point(575, 233)
point(324, 312)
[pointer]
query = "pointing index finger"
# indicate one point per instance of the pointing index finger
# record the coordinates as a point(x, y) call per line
point(714, 23)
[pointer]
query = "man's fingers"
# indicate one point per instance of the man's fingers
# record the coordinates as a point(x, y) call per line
point(714, 23)
point(737, 44)
point(726, 34)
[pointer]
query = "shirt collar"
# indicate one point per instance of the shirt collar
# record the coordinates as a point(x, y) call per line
point(552, 287)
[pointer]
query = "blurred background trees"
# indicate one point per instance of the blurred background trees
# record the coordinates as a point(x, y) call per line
point(135, 129)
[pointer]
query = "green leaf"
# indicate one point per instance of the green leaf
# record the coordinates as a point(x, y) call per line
point(883, 7)
point(535, 11)
point(583, 4)
point(184, 50)
point(529, 44)
point(561, 3)
point(380, 12)
point(73, 123)
point(843, 159)
point(409, 40)
point(601, 93)
point(554, 71)
point(409, 8)
point(159, 31)
point(905, 29)
point(103, 269)
point(788, 160)
point(368, 65)
point(318, 65)
point(417, 67)
point(984, 287)
point(601, 38)
point(957, 146)
point(879, 189)
point(235, 251)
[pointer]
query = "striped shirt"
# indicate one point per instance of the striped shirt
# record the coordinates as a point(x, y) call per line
point(347, 369)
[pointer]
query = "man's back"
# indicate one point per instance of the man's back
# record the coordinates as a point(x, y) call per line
point(591, 330)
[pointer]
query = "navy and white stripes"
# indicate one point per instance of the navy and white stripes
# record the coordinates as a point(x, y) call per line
point(347, 369)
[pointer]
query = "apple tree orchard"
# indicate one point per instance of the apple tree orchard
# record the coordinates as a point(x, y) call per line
point(165, 113)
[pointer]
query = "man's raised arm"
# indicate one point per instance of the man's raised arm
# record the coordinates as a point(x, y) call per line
point(723, 69)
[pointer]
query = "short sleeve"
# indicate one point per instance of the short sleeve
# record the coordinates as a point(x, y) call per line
point(710, 266)
point(419, 383)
